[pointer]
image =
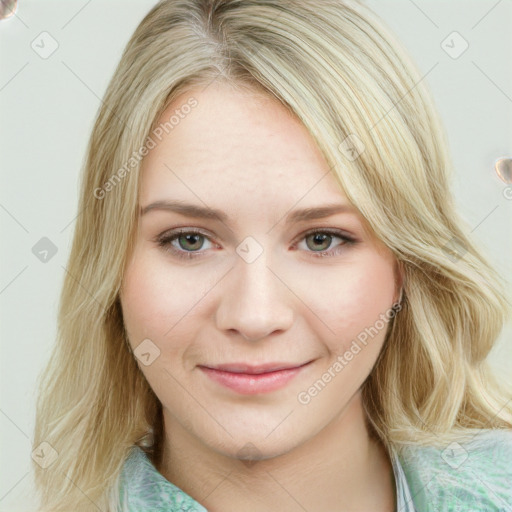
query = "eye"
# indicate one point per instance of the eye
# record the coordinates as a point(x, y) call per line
point(320, 240)
point(186, 243)
point(182, 243)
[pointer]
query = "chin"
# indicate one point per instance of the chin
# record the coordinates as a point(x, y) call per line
point(255, 447)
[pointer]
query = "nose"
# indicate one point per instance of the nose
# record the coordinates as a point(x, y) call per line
point(254, 301)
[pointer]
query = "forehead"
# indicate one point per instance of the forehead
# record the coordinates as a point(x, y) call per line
point(235, 140)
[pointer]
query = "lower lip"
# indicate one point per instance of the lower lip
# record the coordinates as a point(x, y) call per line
point(252, 384)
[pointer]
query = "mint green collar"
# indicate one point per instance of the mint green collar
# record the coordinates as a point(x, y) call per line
point(144, 489)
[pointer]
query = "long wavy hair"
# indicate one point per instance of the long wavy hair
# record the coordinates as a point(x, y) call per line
point(342, 73)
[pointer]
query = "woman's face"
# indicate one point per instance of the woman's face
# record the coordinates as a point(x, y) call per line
point(286, 276)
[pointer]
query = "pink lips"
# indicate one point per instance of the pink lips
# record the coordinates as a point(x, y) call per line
point(249, 380)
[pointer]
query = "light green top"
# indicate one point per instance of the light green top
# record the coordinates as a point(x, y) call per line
point(470, 476)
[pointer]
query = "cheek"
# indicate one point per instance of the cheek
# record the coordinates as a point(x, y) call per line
point(158, 301)
point(354, 300)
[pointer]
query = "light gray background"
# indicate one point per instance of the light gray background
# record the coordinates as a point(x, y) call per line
point(47, 109)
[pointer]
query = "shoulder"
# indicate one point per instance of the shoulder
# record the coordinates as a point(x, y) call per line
point(473, 473)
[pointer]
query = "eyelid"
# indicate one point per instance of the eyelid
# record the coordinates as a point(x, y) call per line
point(172, 234)
point(330, 231)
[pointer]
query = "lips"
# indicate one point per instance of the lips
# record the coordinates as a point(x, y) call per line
point(255, 369)
point(249, 379)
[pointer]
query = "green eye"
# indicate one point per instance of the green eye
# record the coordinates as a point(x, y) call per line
point(319, 241)
point(190, 241)
point(187, 244)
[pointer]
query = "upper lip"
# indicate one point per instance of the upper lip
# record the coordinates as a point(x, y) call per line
point(254, 369)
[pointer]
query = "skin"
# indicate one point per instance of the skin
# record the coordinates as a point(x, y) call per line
point(243, 153)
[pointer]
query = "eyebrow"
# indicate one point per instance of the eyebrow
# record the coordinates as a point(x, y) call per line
point(202, 212)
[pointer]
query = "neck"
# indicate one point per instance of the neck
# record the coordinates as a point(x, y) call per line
point(341, 468)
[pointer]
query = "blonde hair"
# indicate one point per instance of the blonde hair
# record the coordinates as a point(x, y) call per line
point(338, 69)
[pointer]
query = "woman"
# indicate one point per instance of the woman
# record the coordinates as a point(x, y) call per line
point(271, 302)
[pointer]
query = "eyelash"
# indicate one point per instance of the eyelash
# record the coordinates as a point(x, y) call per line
point(164, 240)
